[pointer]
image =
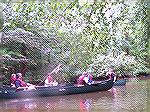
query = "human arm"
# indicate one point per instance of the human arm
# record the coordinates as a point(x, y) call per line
point(17, 83)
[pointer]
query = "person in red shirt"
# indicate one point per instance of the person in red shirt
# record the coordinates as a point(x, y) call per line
point(13, 79)
point(85, 78)
point(81, 79)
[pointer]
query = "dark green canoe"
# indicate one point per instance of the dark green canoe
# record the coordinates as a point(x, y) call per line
point(10, 93)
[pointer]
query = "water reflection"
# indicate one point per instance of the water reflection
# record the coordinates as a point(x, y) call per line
point(83, 102)
point(85, 105)
point(130, 98)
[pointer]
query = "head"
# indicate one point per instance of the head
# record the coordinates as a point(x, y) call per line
point(111, 70)
point(49, 74)
point(85, 73)
point(13, 75)
point(19, 74)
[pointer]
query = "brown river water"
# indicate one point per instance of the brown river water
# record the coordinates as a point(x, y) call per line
point(133, 97)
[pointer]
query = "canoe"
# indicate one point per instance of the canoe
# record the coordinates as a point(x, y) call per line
point(120, 82)
point(68, 89)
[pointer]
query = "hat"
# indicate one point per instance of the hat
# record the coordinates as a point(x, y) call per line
point(19, 74)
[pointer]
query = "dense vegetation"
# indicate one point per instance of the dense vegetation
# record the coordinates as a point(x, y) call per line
point(85, 35)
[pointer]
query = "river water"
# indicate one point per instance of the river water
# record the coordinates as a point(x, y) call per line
point(133, 97)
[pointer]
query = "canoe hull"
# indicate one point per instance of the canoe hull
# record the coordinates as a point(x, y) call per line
point(10, 93)
point(120, 82)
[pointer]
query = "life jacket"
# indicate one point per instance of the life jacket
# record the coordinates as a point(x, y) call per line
point(18, 83)
point(50, 79)
point(13, 78)
point(80, 79)
point(90, 78)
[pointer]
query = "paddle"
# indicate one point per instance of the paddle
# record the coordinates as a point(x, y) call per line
point(55, 70)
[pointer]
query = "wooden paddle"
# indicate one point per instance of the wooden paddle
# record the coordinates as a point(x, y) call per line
point(33, 87)
point(55, 70)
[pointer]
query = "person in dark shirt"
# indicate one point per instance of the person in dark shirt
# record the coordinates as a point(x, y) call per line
point(18, 84)
point(19, 81)
point(111, 74)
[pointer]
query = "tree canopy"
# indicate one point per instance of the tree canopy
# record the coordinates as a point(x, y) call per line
point(89, 34)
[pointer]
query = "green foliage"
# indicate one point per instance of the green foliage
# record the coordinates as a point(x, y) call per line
point(78, 34)
point(11, 50)
point(124, 64)
point(130, 36)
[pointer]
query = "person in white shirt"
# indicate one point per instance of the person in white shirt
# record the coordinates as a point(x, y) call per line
point(49, 80)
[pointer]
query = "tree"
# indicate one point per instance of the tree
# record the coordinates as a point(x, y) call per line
point(77, 34)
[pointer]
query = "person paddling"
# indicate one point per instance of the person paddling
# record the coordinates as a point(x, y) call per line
point(85, 78)
point(19, 81)
point(111, 74)
point(80, 80)
point(13, 79)
point(20, 84)
point(88, 78)
point(49, 80)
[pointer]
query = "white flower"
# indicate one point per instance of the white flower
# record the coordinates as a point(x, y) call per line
point(73, 11)
point(82, 2)
point(97, 11)
point(7, 24)
point(94, 18)
point(79, 30)
point(97, 25)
